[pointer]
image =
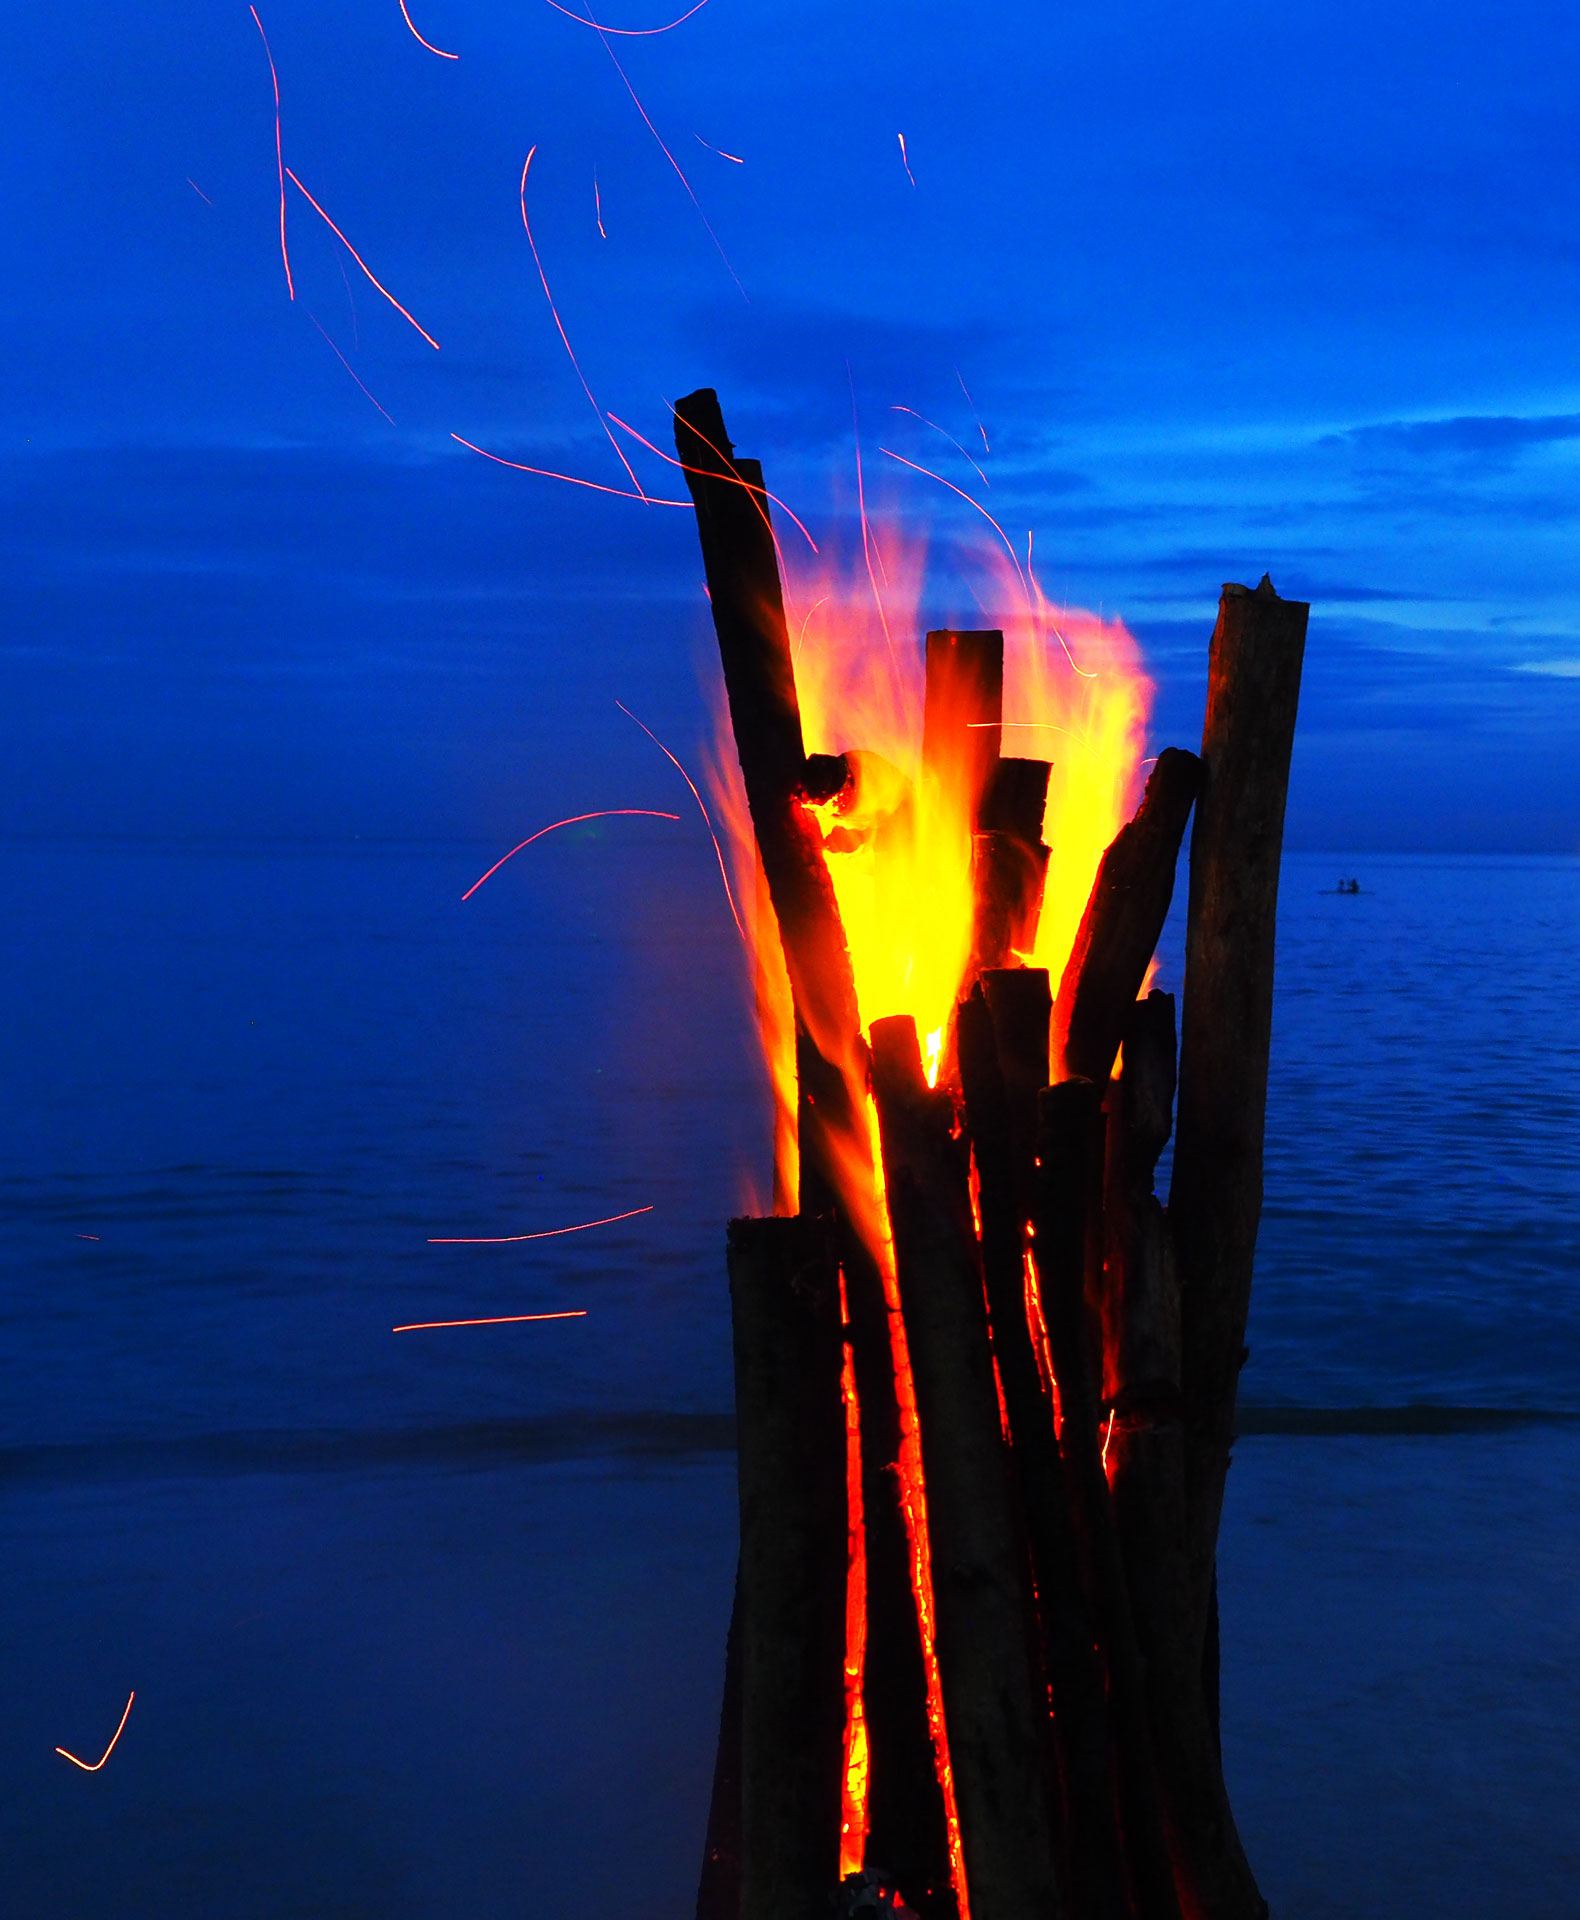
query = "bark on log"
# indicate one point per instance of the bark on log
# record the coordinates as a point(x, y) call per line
point(963, 710)
point(1124, 916)
point(1009, 863)
point(1146, 1473)
point(1077, 1732)
point(719, 1884)
point(1069, 1193)
point(836, 1171)
point(789, 1351)
point(759, 679)
point(979, 1592)
point(1215, 1197)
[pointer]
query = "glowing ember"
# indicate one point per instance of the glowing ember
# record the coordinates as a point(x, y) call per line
point(427, 43)
point(603, 813)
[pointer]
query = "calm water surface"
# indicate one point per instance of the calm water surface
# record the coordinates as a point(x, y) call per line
point(430, 1623)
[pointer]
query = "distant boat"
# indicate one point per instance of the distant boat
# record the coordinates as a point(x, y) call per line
point(1344, 886)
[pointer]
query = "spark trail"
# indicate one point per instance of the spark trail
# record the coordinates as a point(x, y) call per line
point(605, 813)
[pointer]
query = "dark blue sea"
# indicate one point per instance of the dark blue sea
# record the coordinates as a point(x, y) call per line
point(430, 1624)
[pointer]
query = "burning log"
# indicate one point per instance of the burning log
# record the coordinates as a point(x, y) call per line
point(907, 1829)
point(759, 678)
point(1215, 1196)
point(1123, 919)
point(1067, 1189)
point(1010, 863)
point(790, 1416)
point(997, 1054)
point(996, 1750)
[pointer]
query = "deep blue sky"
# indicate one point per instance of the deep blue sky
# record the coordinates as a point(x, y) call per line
point(1234, 286)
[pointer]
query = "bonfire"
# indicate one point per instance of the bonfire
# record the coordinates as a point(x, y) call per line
point(985, 1379)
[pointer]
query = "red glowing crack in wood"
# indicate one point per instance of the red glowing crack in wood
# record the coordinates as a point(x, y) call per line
point(347, 364)
point(494, 1320)
point(564, 336)
point(570, 479)
point(718, 851)
point(279, 151)
point(427, 43)
point(359, 260)
point(603, 813)
point(548, 1233)
point(93, 1766)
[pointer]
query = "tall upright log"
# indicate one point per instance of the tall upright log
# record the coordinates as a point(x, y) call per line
point(1124, 916)
point(1077, 1732)
point(719, 1883)
point(1215, 1196)
point(980, 1598)
point(963, 710)
point(1146, 1475)
point(790, 1419)
point(1009, 863)
point(1069, 1194)
point(759, 680)
point(907, 1833)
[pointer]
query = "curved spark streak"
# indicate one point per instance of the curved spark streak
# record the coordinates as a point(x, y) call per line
point(198, 190)
point(598, 209)
point(495, 1320)
point(949, 437)
point(427, 43)
point(279, 151)
point(359, 260)
point(905, 160)
point(641, 439)
point(93, 1766)
point(1008, 547)
point(720, 151)
point(348, 366)
point(718, 851)
point(560, 328)
point(604, 813)
point(973, 406)
point(570, 479)
point(550, 1233)
point(866, 538)
point(679, 175)
point(626, 33)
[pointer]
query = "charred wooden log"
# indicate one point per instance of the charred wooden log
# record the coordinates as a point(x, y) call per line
point(1077, 1731)
point(1124, 916)
point(790, 1416)
point(759, 679)
point(1215, 1196)
point(905, 1805)
point(719, 1884)
point(979, 1593)
point(963, 711)
point(1146, 1473)
point(1069, 1193)
point(1009, 863)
